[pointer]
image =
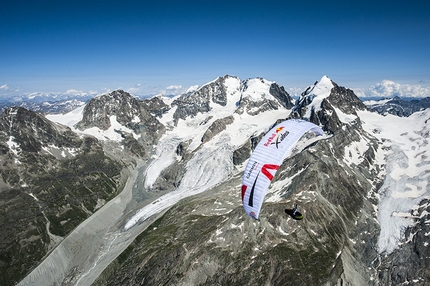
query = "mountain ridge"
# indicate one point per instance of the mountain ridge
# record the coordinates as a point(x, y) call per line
point(193, 175)
point(56, 103)
point(398, 106)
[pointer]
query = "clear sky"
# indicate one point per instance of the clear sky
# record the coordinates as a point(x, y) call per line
point(148, 47)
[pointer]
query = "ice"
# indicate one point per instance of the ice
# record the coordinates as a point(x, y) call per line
point(206, 169)
point(68, 119)
point(407, 181)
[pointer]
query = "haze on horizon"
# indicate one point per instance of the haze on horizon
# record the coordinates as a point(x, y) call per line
point(151, 47)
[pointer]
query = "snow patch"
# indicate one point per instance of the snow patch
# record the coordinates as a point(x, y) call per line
point(318, 93)
point(13, 146)
point(113, 133)
point(69, 119)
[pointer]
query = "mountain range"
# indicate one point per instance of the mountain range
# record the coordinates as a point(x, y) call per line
point(398, 106)
point(124, 191)
point(56, 103)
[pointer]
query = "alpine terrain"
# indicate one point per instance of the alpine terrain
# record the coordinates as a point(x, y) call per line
point(124, 191)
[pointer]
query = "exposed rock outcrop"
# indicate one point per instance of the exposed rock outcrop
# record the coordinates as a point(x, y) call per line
point(216, 127)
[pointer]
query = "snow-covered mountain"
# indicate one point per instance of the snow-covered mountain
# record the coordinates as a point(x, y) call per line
point(363, 188)
point(47, 102)
point(398, 106)
point(40, 97)
point(47, 107)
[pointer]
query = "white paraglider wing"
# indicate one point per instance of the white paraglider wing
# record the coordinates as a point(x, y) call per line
point(266, 159)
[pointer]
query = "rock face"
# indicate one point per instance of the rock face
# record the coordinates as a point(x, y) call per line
point(51, 180)
point(191, 104)
point(322, 111)
point(31, 132)
point(256, 100)
point(126, 110)
point(156, 106)
point(281, 95)
point(256, 96)
point(216, 128)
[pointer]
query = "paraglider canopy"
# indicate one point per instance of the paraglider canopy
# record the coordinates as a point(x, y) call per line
point(266, 159)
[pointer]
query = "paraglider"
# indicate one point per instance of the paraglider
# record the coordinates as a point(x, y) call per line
point(294, 213)
point(267, 158)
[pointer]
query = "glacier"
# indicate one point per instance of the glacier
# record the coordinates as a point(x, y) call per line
point(405, 152)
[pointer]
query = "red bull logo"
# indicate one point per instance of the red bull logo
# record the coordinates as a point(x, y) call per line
point(273, 136)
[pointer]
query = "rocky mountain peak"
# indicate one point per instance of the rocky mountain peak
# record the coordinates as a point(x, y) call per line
point(345, 100)
point(118, 103)
point(122, 107)
point(322, 102)
point(156, 106)
point(29, 131)
point(215, 92)
point(281, 95)
point(251, 96)
point(260, 95)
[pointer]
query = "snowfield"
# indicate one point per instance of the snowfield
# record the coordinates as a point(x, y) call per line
point(405, 153)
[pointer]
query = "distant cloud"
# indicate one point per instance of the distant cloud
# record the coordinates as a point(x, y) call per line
point(135, 89)
point(106, 90)
point(388, 88)
point(75, 92)
point(174, 87)
point(295, 91)
point(4, 87)
point(173, 90)
point(359, 92)
point(8, 91)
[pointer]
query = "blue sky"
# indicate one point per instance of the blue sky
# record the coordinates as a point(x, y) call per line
point(149, 47)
